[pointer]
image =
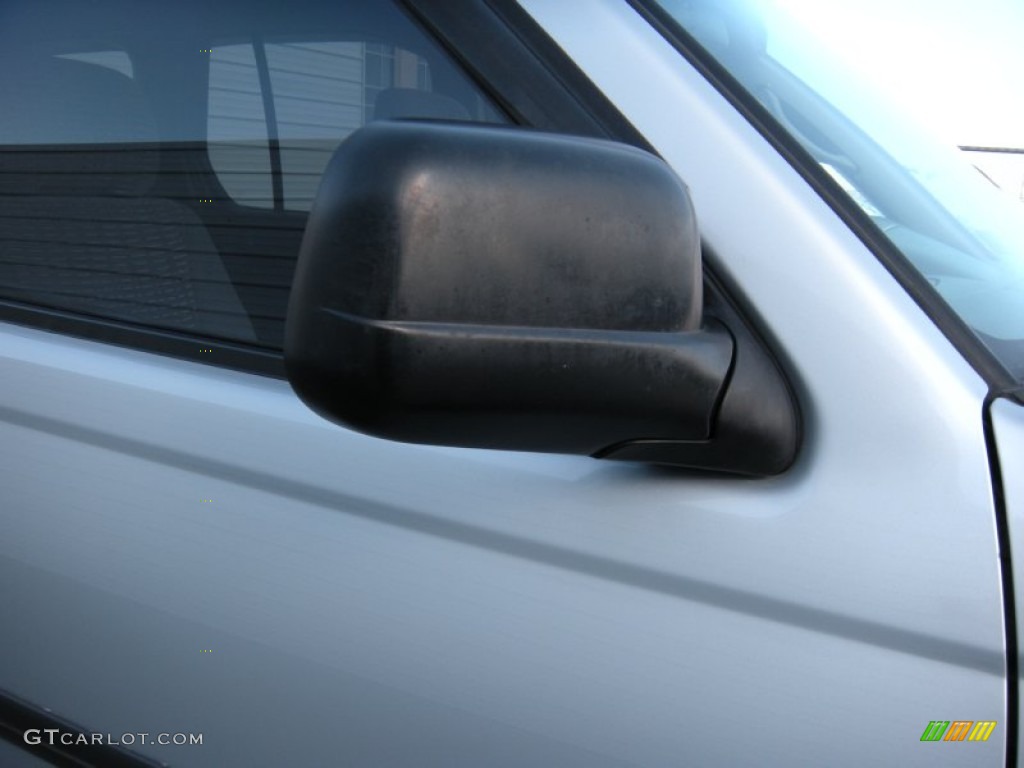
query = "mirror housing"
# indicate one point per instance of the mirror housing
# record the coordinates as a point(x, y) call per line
point(501, 288)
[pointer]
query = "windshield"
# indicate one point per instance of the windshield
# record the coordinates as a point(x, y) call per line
point(884, 94)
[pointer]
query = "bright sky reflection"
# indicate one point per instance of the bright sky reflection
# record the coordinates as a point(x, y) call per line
point(958, 66)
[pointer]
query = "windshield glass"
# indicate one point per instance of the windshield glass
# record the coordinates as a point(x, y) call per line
point(914, 108)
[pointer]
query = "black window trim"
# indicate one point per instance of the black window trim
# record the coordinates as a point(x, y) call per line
point(225, 354)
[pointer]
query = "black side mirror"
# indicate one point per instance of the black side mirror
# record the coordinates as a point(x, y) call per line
point(500, 288)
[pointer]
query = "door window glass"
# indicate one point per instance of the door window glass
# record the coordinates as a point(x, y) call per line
point(158, 160)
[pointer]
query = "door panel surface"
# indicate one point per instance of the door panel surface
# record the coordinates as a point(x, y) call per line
point(189, 549)
point(365, 601)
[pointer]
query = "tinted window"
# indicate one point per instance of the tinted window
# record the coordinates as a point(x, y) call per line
point(157, 161)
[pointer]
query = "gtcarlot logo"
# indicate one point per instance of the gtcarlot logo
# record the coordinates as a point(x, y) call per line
point(54, 736)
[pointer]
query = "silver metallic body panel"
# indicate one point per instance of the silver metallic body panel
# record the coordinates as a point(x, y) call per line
point(370, 603)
